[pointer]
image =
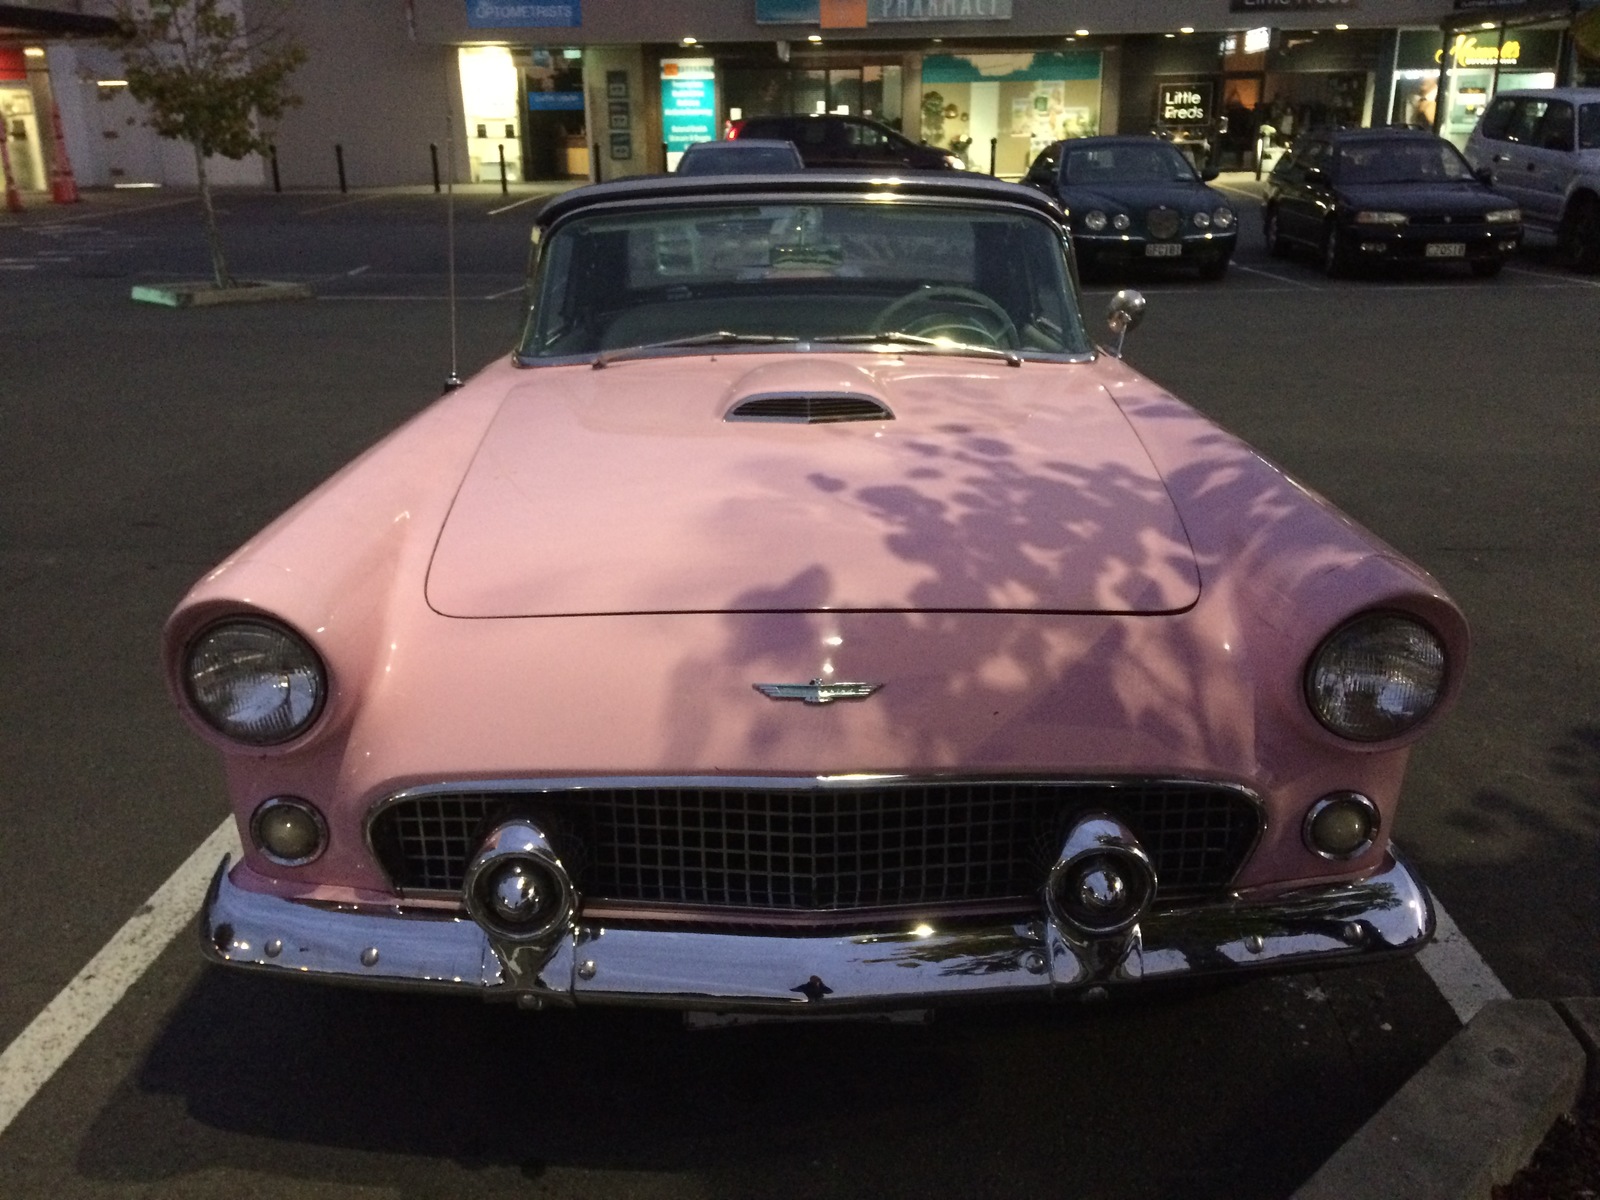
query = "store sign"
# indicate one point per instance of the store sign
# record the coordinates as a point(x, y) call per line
point(881, 12)
point(555, 101)
point(505, 14)
point(1183, 104)
point(1526, 49)
point(688, 102)
point(1269, 6)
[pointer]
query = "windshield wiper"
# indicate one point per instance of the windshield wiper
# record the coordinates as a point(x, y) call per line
point(721, 337)
point(916, 339)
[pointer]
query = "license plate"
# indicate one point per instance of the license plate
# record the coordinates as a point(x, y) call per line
point(1445, 250)
point(1173, 250)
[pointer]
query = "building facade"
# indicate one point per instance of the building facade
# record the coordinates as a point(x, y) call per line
point(402, 91)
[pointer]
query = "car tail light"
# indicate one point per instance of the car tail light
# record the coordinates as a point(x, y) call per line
point(735, 128)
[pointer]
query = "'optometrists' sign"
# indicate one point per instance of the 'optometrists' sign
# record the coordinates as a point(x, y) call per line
point(509, 14)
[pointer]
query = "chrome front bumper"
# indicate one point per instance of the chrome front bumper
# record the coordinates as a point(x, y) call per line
point(1386, 915)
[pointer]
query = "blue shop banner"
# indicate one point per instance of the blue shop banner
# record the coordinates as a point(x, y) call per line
point(507, 14)
point(555, 101)
point(1019, 68)
point(788, 12)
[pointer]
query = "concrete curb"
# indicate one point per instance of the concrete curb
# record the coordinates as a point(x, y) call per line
point(202, 295)
point(1474, 1115)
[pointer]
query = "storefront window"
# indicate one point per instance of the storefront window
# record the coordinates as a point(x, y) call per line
point(870, 90)
point(1016, 104)
point(1485, 62)
point(489, 102)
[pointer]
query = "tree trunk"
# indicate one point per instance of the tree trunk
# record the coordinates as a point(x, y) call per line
point(219, 263)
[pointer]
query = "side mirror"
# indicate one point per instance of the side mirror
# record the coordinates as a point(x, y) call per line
point(1484, 176)
point(1125, 312)
point(1317, 176)
point(1209, 174)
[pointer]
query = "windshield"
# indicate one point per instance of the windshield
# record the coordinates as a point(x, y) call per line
point(946, 278)
point(1423, 160)
point(1153, 163)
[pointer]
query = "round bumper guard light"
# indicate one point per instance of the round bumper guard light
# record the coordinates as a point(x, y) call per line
point(1376, 677)
point(1103, 881)
point(1341, 825)
point(254, 681)
point(289, 831)
point(516, 887)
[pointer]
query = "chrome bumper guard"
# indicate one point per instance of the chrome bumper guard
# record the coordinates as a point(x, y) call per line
point(1386, 915)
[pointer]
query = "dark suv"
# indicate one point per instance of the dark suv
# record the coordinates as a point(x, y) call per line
point(834, 140)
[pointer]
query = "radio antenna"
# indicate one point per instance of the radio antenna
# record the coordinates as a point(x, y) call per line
point(453, 381)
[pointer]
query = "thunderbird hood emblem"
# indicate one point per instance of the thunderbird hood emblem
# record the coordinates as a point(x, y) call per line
point(817, 691)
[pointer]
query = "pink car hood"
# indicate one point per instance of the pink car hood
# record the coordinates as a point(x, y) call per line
point(993, 488)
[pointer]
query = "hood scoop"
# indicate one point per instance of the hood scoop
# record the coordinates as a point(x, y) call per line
point(809, 408)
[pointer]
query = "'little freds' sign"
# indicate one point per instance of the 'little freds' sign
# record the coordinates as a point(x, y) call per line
point(1183, 104)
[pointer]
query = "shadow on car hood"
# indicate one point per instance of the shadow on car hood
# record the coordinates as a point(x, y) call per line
point(990, 488)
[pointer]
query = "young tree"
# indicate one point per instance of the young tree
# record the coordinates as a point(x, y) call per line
point(209, 79)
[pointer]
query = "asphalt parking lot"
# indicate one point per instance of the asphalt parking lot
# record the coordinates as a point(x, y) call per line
point(1458, 418)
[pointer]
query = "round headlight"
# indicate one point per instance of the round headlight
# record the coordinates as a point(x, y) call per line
point(1094, 220)
point(254, 681)
point(1376, 677)
point(1120, 221)
point(1222, 218)
point(1202, 220)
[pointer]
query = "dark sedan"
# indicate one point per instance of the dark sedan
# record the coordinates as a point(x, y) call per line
point(1137, 199)
point(1371, 196)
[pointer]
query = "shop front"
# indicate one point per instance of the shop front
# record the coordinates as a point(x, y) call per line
point(25, 164)
point(997, 111)
point(1474, 65)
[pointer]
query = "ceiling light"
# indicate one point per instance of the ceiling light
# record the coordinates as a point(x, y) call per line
point(1186, 29)
point(689, 41)
point(814, 37)
point(34, 51)
point(1341, 27)
point(1081, 32)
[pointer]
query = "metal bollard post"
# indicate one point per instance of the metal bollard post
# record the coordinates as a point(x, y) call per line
point(338, 154)
point(502, 147)
point(594, 162)
point(994, 150)
point(272, 153)
point(433, 153)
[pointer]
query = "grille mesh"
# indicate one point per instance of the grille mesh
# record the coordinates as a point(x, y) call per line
point(824, 849)
point(808, 409)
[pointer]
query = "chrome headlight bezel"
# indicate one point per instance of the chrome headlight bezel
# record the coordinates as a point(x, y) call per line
point(1222, 218)
point(1503, 216)
point(1094, 221)
point(254, 680)
point(1390, 695)
point(1201, 219)
point(1120, 222)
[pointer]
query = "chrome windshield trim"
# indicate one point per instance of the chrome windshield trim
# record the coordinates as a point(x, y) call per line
point(518, 359)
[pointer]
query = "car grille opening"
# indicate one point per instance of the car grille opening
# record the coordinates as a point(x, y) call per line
point(806, 408)
point(1163, 222)
point(796, 850)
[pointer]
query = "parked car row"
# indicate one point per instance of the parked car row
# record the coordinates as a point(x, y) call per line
point(1353, 198)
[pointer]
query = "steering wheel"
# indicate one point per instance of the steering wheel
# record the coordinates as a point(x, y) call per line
point(983, 322)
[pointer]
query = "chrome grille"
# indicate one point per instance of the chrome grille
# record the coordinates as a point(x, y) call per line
point(1163, 222)
point(809, 409)
point(827, 848)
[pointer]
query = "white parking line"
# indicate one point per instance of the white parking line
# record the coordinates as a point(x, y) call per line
point(1553, 277)
point(1458, 970)
point(495, 212)
point(50, 1038)
point(1299, 283)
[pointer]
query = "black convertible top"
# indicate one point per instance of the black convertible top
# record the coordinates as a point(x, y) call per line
point(812, 182)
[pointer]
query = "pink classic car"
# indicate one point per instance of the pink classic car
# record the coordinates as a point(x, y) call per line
point(808, 618)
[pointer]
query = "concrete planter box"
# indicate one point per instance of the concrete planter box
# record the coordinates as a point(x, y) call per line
point(195, 295)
